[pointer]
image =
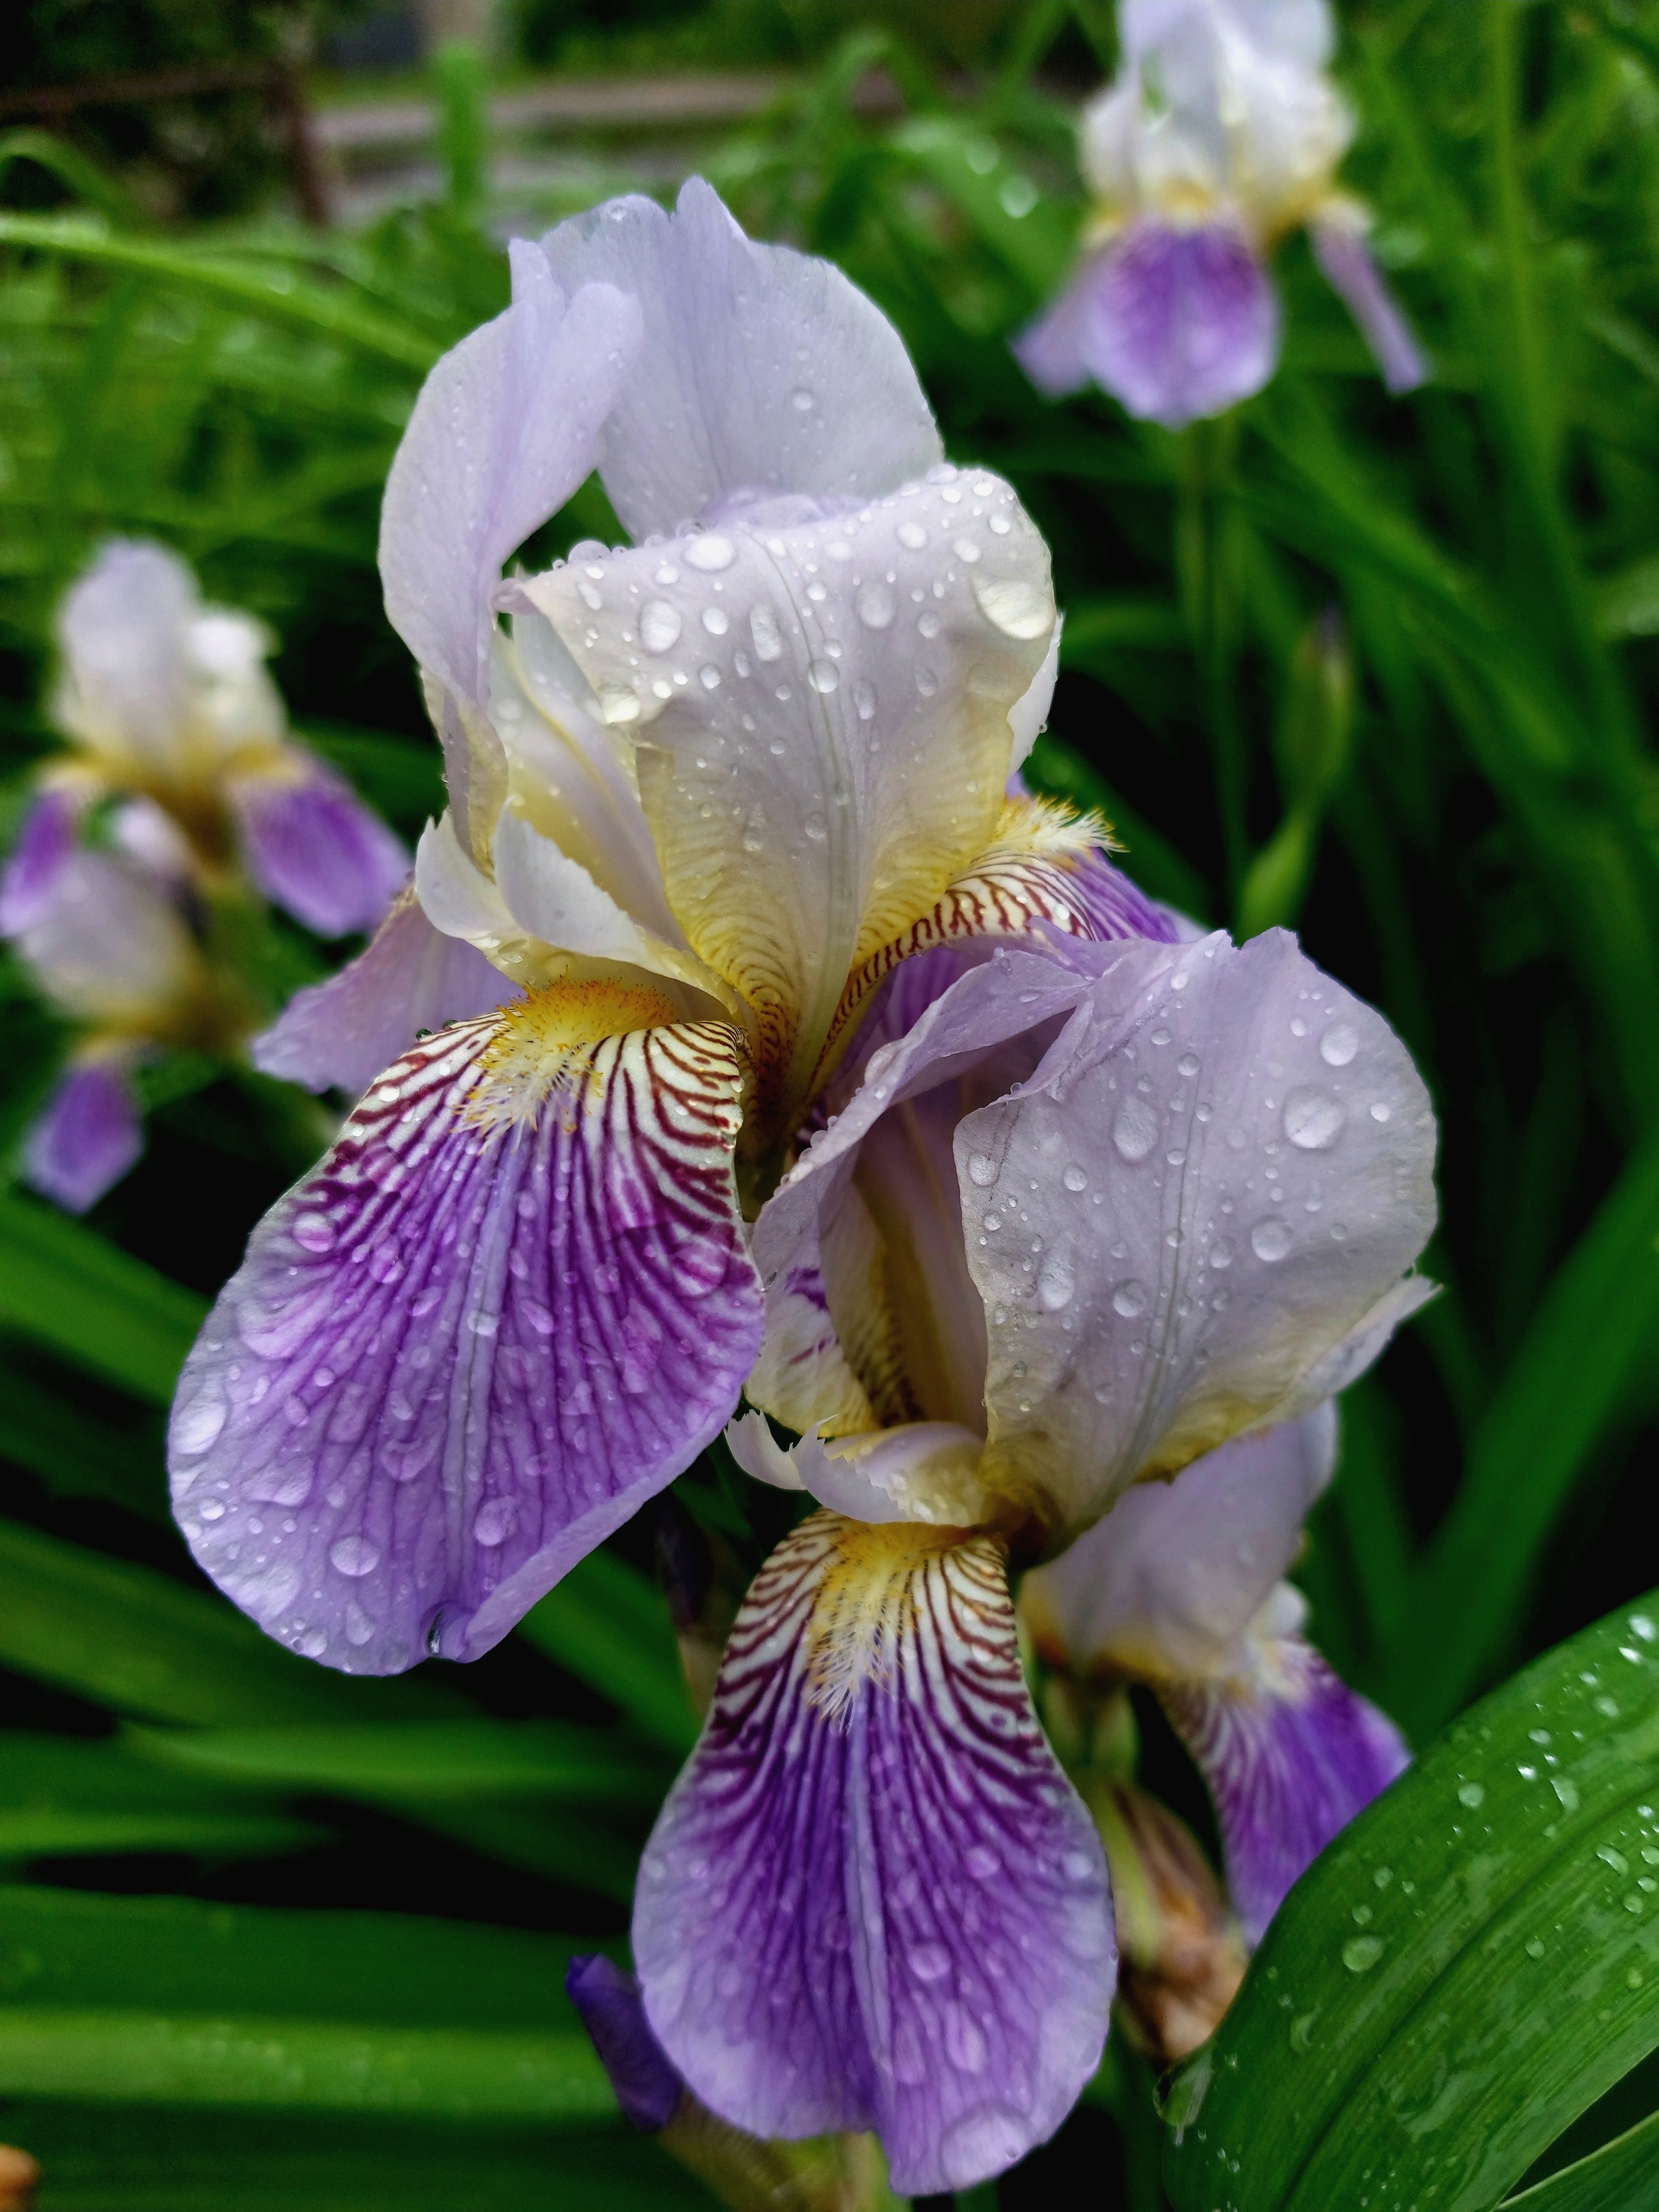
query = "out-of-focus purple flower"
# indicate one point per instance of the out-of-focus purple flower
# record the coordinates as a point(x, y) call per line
point(1076, 1222)
point(1221, 133)
point(1181, 1586)
point(706, 793)
point(169, 703)
point(87, 1138)
point(43, 844)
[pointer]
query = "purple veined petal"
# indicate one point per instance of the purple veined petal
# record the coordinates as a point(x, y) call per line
point(1228, 1161)
point(1044, 873)
point(513, 1302)
point(1167, 1584)
point(506, 427)
point(1291, 1754)
point(314, 848)
point(872, 1899)
point(1346, 263)
point(338, 1035)
point(608, 1998)
point(1178, 323)
point(761, 370)
point(45, 843)
point(87, 1138)
point(123, 632)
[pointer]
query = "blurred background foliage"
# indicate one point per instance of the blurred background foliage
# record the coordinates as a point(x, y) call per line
point(1385, 671)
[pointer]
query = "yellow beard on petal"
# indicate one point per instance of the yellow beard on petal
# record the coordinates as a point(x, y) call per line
point(865, 1605)
point(543, 1039)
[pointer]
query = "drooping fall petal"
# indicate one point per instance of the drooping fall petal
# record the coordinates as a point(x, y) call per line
point(87, 1138)
point(313, 847)
point(872, 1899)
point(512, 1302)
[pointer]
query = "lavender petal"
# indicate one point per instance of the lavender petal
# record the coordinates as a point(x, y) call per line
point(1347, 264)
point(507, 1307)
point(872, 1900)
point(43, 844)
point(608, 1998)
point(87, 1138)
point(315, 849)
point(1291, 1757)
point(340, 1033)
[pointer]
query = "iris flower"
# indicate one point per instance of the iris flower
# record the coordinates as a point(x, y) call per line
point(1074, 1222)
point(705, 792)
point(1221, 134)
point(181, 784)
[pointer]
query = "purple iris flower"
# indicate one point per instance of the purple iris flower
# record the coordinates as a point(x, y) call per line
point(706, 791)
point(1221, 133)
point(1079, 1225)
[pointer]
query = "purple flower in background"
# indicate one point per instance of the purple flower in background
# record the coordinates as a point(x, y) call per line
point(1076, 1222)
point(1180, 1587)
point(1221, 133)
point(87, 1138)
point(705, 792)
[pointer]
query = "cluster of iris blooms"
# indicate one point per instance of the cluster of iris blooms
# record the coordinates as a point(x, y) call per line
point(750, 1054)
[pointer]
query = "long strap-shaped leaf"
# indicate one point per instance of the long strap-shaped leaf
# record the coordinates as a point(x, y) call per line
point(1471, 1966)
point(95, 1304)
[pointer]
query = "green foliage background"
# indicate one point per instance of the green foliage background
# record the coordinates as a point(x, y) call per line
point(1383, 671)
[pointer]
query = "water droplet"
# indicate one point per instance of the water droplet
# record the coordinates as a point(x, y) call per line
point(1221, 1253)
point(928, 624)
point(1302, 2028)
point(619, 703)
point(716, 621)
point(1313, 1120)
point(1361, 1952)
point(763, 628)
point(864, 698)
point(802, 400)
point(1473, 1795)
point(874, 604)
point(913, 535)
point(817, 829)
point(710, 552)
point(1381, 1110)
point(354, 1555)
point(1616, 1859)
point(315, 1231)
point(1017, 197)
point(1339, 1044)
point(1270, 1239)
point(1134, 1131)
point(1188, 1064)
point(1055, 1284)
point(1129, 1299)
point(1567, 1790)
point(493, 1522)
point(926, 682)
point(1074, 1178)
point(659, 625)
point(929, 1962)
point(824, 676)
point(1019, 609)
point(981, 1170)
point(196, 1426)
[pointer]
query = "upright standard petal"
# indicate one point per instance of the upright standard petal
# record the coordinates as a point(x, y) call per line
point(338, 1035)
point(761, 370)
point(1291, 1754)
point(512, 1303)
point(123, 631)
point(821, 712)
point(1203, 1198)
point(108, 946)
point(1345, 258)
point(872, 1899)
point(87, 1138)
point(507, 426)
point(1177, 323)
point(314, 848)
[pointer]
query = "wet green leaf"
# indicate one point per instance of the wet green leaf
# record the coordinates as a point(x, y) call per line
point(608, 1626)
point(92, 1303)
point(1469, 1967)
point(1617, 2178)
point(67, 1796)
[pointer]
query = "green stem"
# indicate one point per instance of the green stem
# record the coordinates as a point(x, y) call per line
point(1200, 556)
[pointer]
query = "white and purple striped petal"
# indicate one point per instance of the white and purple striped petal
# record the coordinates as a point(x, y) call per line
point(1176, 322)
point(512, 1303)
point(1291, 1754)
point(314, 848)
point(874, 1900)
point(338, 1035)
point(87, 1138)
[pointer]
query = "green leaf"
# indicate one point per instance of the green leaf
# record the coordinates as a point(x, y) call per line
point(75, 1451)
point(1035, 237)
point(265, 288)
point(559, 1760)
point(1596, 1324)
point(1162, 872)
point(1469, 1967)
point(132, 2158)
point(127, 1637)
point(97, 1305)
point(1617, 2178)
point(64, 1796)
point(609, 1627)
